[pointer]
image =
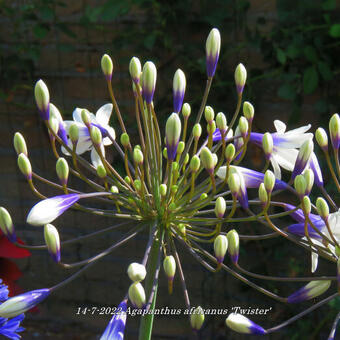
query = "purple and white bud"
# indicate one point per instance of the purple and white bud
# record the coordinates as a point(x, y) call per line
point(241, 324)
point(169, 266)
point(137, 295)
point(42, 98)
point(308, 174)
point(197, 318)
point(135, 69)
point(178, 88)
point(322, 139)
point(267, 145)
point(52, 241)
point(149, 77)
point(334, 130)
point(207, 160)
point(22, 303)
point(61, 131)
point(220, 247)
point(6, 225)
point(107, 66)
point(212, 48)
point(220, 207)
point(233, 245)
point(240, 77)
point(310, 291)
point(303, 157)
point(172, 134)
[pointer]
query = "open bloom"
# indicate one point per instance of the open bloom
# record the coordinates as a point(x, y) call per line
point(9, 327)
point(101, 121)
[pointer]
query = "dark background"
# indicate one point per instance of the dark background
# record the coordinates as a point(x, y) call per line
point(291, 51)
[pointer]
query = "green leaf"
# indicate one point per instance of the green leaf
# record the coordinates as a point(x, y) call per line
point(310, 80)
point(310, 54)
point(292, 51)
point(334, 31)
point(325, 70)
point(40, 31)
point(281, 56)
point(287, 91)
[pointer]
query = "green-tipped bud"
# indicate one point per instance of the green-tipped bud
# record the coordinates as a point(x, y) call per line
point(172, 133)
point(207, 160)
point(25, 166)
point(197, 131)
point(248, 111)
point(149, 77)
point(85, 117)
point(19, 144)
point(209, 114)
point(101, 172)
point(308, 174)
point(234, 183)
point(174, 188)
point(203, 196)
point(321, 138)
point(182, 229)
point(114, 189)
point(243, 126)
point(221, 122)
point(136, 272)
point(175, 166)
point(220, 207)
point(334, 130)
point(322, 208)
point(125, 139)
point(180, 148)
point(263, 196)
point(74, 133)
point(267, 145)
point(169, 266)
point(62, 170)
point(163, 189)
point(269, 181)
point(135, 69)
point(300, 185)
point(137, 295)
point(96, 135)
point(165, 153)
point(240, 78)
point(186, 110)
point(197, 318)
point(306, 205)
point(220, 247)
point(211, 128)
point(172, 206)
point(52, 241)
point(233, 245)
point(127, 180)
point(6, 224)
point(138, 156)
point(195, 163)
point(107, 66)
point(186, 159)
point(42, 98)
point(138, 184)
point(229, 152)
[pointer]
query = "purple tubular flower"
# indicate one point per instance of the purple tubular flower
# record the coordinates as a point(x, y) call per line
point(62, 133)
point(116, 326)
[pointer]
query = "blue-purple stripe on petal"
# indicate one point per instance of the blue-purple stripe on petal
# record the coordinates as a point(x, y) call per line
point(148, 95)
point(256, 329)
point(315, 167)
point(299, 229)
point(178, 100)
point(298, 296)
point(102, 129)
point(211, 64)
point(171, 151)
point(66, 201)
point(62, 133)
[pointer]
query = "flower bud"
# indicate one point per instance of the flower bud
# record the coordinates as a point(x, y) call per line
point(85, 117)
point(243, 126)
point(269, 181)
point(74, 133)
point(263, 196)
point(178, 88)
point(195, 163)
point(197, 131)
point(172, 133)
point(186, 110)
point(234, 183)
point(203, 196)
point(125, 139)
point(240, 78)
point(52, 241)
point(308, 174)
point(149, 77)
point(19, 304)
point(163, 189)
point(96, 135)
point(101, 171)
point(107, 66)
point(334, 130)
point(42, 98)
point(229, 152)
point(220, 207)
point(310, 291)
point(321, 138)
point(212, 49)
point(220, 247)
point(6, 225)
point(136, 272)
point(137, 184)
point(248, 111)
point(267, 145)
point(338, 273)
point(19, 144)
point(25, 166)
point(211, 127)
point(180, 148)
point(303, 157)
point(209, 114)
point(169, 265)
point(165, 153)
point(215, 158)
point(241, 324)
point(233, 245)
point(207, 160)
point(62, 170)
point(54, 126)
point(135, 69)
point(300, 185)
point(306, 205)
point(114, 189)
point(138, 156)
point(137, 295)
point(221, 122)
point(322, 208)
point(182, 229)
point(127, 180)
point(186, 159)
point(197, 318)
point(172, 206)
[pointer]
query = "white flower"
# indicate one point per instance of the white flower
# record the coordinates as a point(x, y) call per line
point(100, 120)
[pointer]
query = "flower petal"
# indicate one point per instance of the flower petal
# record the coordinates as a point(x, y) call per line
point(103, 114)
point(280, 126)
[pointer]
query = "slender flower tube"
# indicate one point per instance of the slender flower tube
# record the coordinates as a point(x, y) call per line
point(42, 98)
point(310, 291)
point(23, 302)
point(115, 328)
point(172, 134)
point(241, 324)
point(178, 88)
point(149, 77)
point(212, 48)
point(49, 209)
